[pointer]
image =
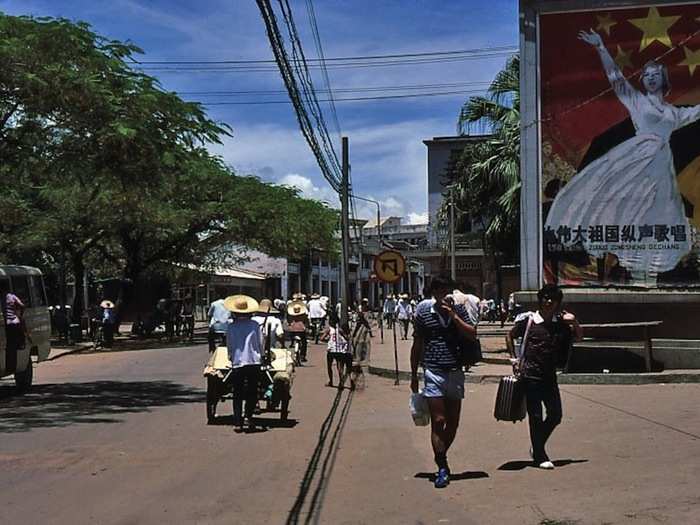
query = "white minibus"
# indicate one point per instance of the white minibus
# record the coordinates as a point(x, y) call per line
point(26, 283)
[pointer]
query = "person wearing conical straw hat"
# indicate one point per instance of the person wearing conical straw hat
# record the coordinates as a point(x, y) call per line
point(271, 325)
point(109, 318)
point(297, 323)
point(245, 349)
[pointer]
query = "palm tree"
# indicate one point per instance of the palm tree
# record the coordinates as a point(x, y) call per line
point(486, 177)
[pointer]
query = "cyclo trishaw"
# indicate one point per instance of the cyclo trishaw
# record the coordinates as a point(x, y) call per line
point(274, 387)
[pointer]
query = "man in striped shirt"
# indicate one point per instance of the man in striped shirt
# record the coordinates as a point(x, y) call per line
point(439, 325)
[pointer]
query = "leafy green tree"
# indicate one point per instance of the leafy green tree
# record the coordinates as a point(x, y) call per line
point(100, 163)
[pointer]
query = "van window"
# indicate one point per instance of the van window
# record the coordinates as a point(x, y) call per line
point(20, 287)
point(37, 290)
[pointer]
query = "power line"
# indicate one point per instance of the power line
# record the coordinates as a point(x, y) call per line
point(358, 89)
point(319, 50)
point(328, 164)
point(473, 51)
point(348, 99)
point(235, 69)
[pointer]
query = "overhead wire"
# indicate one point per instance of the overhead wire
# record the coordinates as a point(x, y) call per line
point(346, 65)
point(345, 99)
point(321, 56)
point(351, 89)
point(288, 75)
point(303, 73)
point(473, 51)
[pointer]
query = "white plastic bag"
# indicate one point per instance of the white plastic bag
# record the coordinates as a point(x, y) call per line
point(419, 409)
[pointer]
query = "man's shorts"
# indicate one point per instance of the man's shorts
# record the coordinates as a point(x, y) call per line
point(444, 383)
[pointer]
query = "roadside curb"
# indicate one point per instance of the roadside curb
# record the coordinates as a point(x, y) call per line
point(69, 351)
point(565, 379)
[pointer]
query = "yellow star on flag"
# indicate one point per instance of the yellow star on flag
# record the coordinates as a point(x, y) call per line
point(692, 59)
point(623, 60)
point(605, 23)
point(655, 27)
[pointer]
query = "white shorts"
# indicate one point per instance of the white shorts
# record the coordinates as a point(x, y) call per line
point(444, 383)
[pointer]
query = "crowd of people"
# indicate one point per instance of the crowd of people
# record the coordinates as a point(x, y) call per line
point(249, 329)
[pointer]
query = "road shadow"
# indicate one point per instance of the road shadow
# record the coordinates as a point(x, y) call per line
point(321, 464)
point(473, 474)
point(520, 465)
point(259, 421)
point(65, 404)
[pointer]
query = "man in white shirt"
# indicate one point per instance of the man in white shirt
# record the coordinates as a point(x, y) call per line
point(271, 324)
point(404, 314)
point(389, 310)
point(218, 321)
point(244, 340)
point(317, 315)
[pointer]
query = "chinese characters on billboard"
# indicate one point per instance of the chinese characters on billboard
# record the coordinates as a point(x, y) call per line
point(620, 121)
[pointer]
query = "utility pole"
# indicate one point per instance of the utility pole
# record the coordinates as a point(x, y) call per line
point(345, 227)
point(453, 263)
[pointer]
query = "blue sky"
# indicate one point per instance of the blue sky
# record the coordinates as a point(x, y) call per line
point(386, 151)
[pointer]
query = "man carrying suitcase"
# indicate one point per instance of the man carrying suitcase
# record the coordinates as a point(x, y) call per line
point(439, 324)
point(547, 335)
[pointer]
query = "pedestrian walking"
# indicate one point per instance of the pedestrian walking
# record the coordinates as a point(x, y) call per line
point(297, 323)
point(362, 319)
point(439, 326)
point(244, 340)
point(108, 319)
point(389, 310)
point(13, 310)
point(338, 351)
point(219, 317)
point(317, 315)
point(547, 336)
point(404, 314)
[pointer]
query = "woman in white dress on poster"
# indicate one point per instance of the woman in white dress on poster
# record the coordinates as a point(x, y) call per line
point(635, 182)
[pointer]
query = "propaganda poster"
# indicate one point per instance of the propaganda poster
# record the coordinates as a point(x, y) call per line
point(620, 125)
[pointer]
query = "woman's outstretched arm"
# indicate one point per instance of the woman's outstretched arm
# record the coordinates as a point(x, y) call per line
point(619, 83)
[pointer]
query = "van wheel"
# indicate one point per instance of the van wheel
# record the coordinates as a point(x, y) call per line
point(23, 380)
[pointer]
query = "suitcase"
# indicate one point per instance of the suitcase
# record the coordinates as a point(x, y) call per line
point(510, 400)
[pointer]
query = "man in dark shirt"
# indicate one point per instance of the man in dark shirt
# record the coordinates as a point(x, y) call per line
point(547, 336)
point(439, 324)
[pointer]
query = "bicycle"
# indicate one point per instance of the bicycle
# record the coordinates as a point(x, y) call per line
point(187, 324)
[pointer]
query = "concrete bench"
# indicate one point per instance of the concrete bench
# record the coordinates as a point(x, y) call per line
point(641, 331)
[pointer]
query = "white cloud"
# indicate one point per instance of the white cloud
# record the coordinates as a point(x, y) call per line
point(417, 218)
point(308, 189)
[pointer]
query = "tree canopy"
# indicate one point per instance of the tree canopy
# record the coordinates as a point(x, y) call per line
point(99, 162)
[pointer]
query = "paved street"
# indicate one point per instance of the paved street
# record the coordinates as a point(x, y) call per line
point(119, 438)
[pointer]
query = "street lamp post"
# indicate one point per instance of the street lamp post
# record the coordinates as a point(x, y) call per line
point(379, 224)
point(379, 217)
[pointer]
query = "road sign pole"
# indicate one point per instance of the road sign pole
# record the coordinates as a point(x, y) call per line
point(396, 356)
point(381, 322)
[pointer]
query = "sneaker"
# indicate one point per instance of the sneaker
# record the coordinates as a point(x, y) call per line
point(546, 465)
point(442, 478)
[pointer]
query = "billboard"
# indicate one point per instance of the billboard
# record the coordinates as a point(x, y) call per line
point(620, 146)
